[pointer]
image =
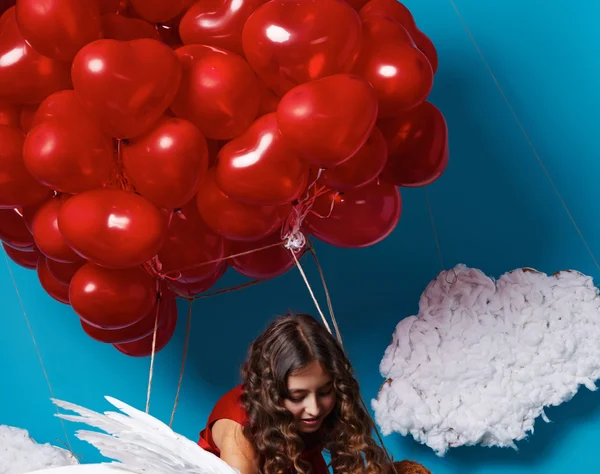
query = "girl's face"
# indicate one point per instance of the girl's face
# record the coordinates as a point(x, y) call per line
point(311, 396)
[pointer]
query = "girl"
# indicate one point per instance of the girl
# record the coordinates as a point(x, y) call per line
point(298, 397)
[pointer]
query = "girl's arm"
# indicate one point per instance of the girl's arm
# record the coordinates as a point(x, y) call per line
point(236, 449)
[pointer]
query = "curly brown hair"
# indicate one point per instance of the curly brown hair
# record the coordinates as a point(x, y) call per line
point(291, 343)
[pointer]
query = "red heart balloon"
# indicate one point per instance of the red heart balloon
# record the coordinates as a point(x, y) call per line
point(358, 218)
point(417, 147)
point(112, 228)
point(55, 289)
point(364, 167)
point(13, 230)
point(397, 11)
point(400, 73)
point(59, 28)
point(264, 261)
point(136, 331)
point(167, 164)
point(64, 149)
point(17, 187)
point(288, 42)
point(259, 167)
point(158, 11)
point(10, 114)
point(329, 119)
point(25, 258)
point(63, 272)
point(189, 245)
point(219, 93)
point(236, 220)
point(143, 347)
point(217, 23)
point(112, 299)
point(47, 235)
point(126, 86)
point(121, 28)
point(26, 77)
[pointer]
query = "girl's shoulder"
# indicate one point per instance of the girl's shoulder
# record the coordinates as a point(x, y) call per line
point(230, 406)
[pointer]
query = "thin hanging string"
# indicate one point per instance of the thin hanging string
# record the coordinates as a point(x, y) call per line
point(187, 337)
point(120, 178)
point(152, 356)
point(310, 290)
point(122, 182)
point(188, 329)
point(527, 139)
point(435, 234)
point(327, 295)
point(179, 271)
point(437, 242)
point(228, 289)
point(39, 353)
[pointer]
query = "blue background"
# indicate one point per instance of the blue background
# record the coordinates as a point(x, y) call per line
point(494, 209)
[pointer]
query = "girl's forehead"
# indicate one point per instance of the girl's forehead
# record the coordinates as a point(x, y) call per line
point(311, 377)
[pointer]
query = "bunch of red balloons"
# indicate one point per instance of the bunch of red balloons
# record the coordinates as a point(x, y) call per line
point(145, 142)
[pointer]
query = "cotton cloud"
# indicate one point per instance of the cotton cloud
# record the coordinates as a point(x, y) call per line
point(482, 359)
point(20, 454)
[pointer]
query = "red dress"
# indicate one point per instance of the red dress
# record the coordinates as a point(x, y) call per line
point(230, 407)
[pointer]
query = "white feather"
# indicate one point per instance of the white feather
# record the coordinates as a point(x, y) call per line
point(139, 443)
point(86, 469)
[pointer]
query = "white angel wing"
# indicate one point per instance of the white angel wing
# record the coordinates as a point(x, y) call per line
point(139, 442)
point(86, 469)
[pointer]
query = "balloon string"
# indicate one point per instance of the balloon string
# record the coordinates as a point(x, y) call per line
point(176, 274)
point(291, 232)
point(39, 354)
point(190, 301)
point(310, 290)
point(327, 295)
point(121, 178)
point(229, 289)
point(526, 137)
point(454, 277)
point(188, 329)
point(154, 334)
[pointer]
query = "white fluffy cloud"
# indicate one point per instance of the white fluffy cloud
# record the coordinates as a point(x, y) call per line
point(20, 454)
point(482, 359)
